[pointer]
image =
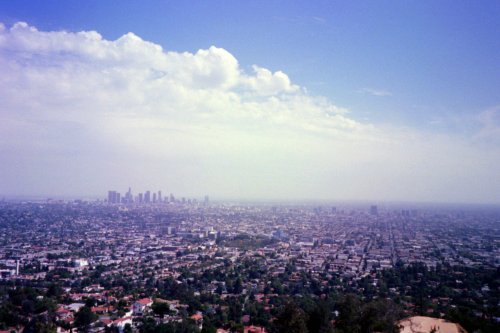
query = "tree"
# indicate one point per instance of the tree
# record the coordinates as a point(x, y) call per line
point(28, 307)
point(355, 316)
point(40, 325)
point(208, 328)
point(54, 290)
point(319, 319)
point(127, 328)
point(349, 314)
point(84, 317)
point(45, 328)
point(90, 302)
point(161, 309)
point(291, 320)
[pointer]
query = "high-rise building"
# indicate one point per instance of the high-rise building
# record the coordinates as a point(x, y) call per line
point(111, 197)
point(154, 197)
point(147, 197)
point(374, 210)
point(114, 197)
point(172, 198)
point(140, 198)
point(159, 196)
point(207, 200)
point(128, 196)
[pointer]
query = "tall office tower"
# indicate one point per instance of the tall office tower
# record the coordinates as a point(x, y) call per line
point(172, 198)
point(159, 196)
point(207, 200)
point(374, 210)
point(154, 197)
point(128, 197)
point(111, 197)
point(147, 197)
point(118, 198)
point(140, 197)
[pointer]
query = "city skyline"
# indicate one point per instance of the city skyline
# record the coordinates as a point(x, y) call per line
point(270, 101)
point(147, 196)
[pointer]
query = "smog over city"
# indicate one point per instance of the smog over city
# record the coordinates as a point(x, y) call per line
point(258, 166)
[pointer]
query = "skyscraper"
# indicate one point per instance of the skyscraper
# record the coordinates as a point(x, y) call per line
point(111, 197)
point(114, 197)
point(128, 197)
point(147, 197)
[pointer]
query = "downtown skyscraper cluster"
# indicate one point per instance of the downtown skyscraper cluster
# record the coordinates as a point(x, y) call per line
point(148, 197)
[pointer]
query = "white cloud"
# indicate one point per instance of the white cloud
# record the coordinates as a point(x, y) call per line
point(81, 114)
point(489, 121)
point(266, 83)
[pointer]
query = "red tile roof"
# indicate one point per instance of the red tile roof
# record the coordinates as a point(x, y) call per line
point(254, 329)
point(144, 301)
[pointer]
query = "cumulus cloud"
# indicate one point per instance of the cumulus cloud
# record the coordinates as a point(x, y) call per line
point(81, 114)
point(267, 83)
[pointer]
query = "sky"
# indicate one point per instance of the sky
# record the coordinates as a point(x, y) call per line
point(268, 100)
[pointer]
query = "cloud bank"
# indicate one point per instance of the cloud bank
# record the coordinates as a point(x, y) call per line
point(82, 114)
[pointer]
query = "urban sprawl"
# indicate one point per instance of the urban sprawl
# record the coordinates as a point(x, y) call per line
point(136, 262)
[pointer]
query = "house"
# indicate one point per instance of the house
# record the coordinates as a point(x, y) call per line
point(141, 306)
point(101, 309)
point(120, 323)
point(198, 319)
point(75, 307)
point(254, 329)
point(245, 319)
point(62, 313)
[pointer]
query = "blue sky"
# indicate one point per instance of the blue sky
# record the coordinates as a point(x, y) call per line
point(429, 67)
